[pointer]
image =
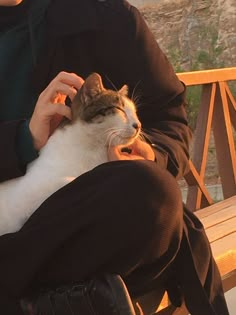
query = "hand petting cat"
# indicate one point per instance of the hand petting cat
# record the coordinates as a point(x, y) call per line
point(139, 150)
point(50, 110)
point(50, 107)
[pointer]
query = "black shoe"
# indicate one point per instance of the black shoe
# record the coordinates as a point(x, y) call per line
point(106, 295)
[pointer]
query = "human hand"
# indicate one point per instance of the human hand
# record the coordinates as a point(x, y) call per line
point(50, 107)
point(139, 150)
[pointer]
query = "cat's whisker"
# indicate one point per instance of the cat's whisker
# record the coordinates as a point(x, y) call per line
point(112, 84)
point(142, 137)
point(156, 131)
point(138, 105)
point(114, 132)
point(145, 137)
point(108, 133)
point(136, 98)
point(110, 138)
point(134, 90)
point(109, 130)
point(114, 129)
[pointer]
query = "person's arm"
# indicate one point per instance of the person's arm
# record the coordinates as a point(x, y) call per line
point(10, 306)
point(21, 140)
point(16, 149)
point(128, 53)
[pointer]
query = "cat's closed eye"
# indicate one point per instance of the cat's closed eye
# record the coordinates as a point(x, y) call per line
point(102, 111)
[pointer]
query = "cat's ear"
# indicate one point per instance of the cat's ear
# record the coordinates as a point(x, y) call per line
point(124, 90)
point(91, 88)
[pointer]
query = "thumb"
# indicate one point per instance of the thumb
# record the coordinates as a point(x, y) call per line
point(112, 153)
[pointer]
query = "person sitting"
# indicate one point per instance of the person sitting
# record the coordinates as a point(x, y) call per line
point(125, 217)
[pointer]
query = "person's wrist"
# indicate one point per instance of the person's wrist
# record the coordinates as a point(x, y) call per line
point(37, 139)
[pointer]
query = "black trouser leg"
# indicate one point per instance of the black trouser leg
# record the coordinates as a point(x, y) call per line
point(117, 218)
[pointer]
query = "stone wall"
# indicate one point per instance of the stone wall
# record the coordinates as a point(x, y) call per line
point(141, 3)
point(195, 34)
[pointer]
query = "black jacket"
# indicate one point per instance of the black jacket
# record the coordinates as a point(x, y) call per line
point(111, 38)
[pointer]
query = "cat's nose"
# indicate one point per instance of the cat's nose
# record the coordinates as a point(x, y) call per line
point(136, 125)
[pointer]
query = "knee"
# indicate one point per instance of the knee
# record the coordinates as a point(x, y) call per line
point(151, 197)
point(159, 209)
point(152, 187)
point(142, 208)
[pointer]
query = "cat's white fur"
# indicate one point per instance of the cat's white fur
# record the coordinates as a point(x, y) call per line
point(71, 151)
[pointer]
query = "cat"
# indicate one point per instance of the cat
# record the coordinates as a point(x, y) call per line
point(100, 118)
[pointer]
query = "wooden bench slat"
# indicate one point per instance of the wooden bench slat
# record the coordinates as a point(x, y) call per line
point(207, 76)
point(225, 204)
point(226, 262)
point(219, 217)
point(222, 229)
point(224, 245)
point(219, 221)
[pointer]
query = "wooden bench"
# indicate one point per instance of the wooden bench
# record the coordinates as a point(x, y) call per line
point(219, 221)
point(217, 115)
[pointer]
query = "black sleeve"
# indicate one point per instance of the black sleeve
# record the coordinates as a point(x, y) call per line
point(127, 53)
point(9, 162)
point(10, 306)
point(16, 149)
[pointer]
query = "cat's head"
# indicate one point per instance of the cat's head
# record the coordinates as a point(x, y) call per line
point(109, 115)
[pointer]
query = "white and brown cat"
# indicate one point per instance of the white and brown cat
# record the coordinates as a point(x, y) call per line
point(101, 118)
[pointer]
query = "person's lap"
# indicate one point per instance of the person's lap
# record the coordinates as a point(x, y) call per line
point(116, 218)
point(123, 217)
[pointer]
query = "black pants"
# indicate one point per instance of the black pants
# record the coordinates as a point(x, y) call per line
point(123, 217)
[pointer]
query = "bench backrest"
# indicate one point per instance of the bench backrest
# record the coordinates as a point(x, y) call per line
point(217, 113)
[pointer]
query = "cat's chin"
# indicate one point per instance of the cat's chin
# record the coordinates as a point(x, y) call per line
point(129, 141)
point(124, 143)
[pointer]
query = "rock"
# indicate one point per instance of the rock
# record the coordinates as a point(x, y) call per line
point(197, 34)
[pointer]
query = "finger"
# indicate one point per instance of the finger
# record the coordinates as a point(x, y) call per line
point(115, 153)
point(55, 122)
point(71, 79)
point(143, 149)
point(112, 154)
point(60, 98)
point(59, 109)
point(59, 91)
point(134, 157)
